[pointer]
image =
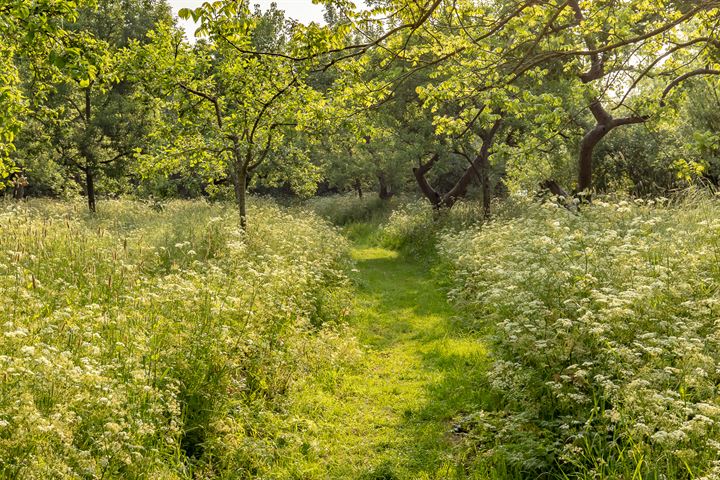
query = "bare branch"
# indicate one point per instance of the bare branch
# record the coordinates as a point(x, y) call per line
point(677, 81)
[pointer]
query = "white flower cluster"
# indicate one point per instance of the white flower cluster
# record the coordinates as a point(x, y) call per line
point(606, 336)
point(142, 344)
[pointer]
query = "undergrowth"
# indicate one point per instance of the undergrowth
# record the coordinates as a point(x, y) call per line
point(161, 342)
point(605, 345)
point(404, 224)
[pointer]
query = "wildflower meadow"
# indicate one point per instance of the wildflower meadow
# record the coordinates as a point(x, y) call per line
point(604, 334)
point(374, 240)
point(157, 344)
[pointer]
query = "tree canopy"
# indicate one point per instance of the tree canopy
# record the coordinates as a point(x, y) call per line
point(441, 98)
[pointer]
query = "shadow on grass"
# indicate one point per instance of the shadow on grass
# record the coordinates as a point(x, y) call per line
point(462, 390)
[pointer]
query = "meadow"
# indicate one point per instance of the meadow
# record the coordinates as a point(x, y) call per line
point(348, 338)
point(413, 240)
point(146, 343)
point(600, 327)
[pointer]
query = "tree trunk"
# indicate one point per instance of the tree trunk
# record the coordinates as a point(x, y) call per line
point(239, 179)
point(563, 198)
point(385, 192)
point(479, 168)
point(90, 188)
point(19, 193)
point(460, 188)
point(427, 190)
point(20, 184)
point(605, 123)
point(553, 187)
point(485, 185)
point(358, 188)
point(87, 153)
point(587, 149)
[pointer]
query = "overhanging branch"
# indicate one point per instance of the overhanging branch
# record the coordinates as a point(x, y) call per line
point(677, 81)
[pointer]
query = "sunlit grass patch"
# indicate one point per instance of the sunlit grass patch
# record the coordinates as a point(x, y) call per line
point(375, 253)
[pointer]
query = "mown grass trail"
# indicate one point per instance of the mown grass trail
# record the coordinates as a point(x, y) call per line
point(391, 416)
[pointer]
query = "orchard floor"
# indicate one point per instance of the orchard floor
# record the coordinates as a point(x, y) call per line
point(391, 415)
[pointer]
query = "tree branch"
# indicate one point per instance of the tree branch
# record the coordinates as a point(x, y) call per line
point(677, 81)
point(266, 105)
point(209, 98)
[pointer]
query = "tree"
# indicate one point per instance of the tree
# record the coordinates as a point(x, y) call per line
point(30, 30)
point(462, 88)
point(614, 59)
point(90, 119)
point(231, 101)
point(500, 53)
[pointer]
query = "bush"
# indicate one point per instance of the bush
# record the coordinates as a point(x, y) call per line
point(413, 227)
point(158, 344)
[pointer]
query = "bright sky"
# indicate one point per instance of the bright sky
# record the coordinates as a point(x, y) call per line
point(302, 10)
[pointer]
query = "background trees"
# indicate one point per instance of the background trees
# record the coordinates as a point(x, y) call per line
point(30, 31)
point(442, 99)
point(86, 120)
point(232, 100)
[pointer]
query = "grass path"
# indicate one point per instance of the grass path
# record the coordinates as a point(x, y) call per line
point(390, 417)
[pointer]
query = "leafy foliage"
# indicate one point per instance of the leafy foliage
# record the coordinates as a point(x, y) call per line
point(33, 29)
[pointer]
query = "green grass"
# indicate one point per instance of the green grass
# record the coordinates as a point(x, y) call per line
point(390, 415)
point(141, 343)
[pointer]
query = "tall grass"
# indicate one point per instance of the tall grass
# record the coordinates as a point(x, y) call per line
point(405, 223)
point(158, 344)
point(414, 227)
point(349, 209)
point(605, 338)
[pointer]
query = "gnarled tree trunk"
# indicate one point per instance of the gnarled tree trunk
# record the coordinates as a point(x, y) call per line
point(479, 168)
point(605, 124)
point(427, 190)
